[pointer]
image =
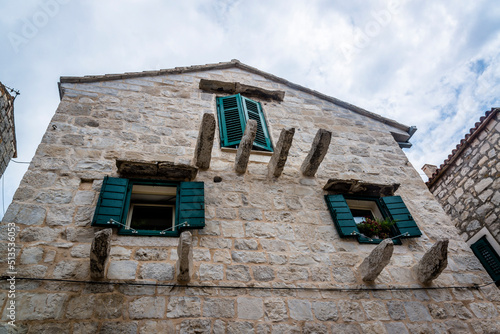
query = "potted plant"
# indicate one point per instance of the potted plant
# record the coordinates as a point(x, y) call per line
point(376, 228)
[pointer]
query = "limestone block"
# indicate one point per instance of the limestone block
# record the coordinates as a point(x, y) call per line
point(433, 262)
point(238, 273)
point(205, 142)
point(300, 309)
point(157, 271)
point(210, 272)
point(147, 308)
point(109, 306)
point(122, 270)
point(246, 143)
point(40, 306)
point(325, 311)
point(263, 273)
point(280, 155)
point(218, 308)
point(179, 307)
point(275, 309)
point(99, 252)
point(374, 263)
point(184, 266)
point(250, 308)
point(318, 151)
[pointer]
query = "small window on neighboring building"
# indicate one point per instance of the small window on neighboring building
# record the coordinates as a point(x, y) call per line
point(233, 113)
point(349, 211)
point(145, 207)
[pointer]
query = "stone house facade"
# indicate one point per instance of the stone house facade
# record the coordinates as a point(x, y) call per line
point(467, 185)
point(7, 130)
point(256, 236)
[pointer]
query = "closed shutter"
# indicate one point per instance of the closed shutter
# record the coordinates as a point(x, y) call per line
point(191, 205)
point(341, 215)
point(253, 110)
point(111, 203)
point(488, 257)
point(398, 211)
point(231, 120)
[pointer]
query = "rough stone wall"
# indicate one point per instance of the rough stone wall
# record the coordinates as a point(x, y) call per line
point(469, 190)
point(259, 233)
point(7, 134)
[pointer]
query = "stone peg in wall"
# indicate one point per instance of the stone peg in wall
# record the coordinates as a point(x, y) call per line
point(378, 259)
point(246, 144)
point(184, 267)
point(280, 155)
point(99, 252)
point(433, 262)
point(205, 142)
point(317, 153)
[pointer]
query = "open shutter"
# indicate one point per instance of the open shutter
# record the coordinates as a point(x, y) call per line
point(191, 205)
point(341, 215)
point(488, 257)
point(231, 120)
point(111, 203)
point(253, 110)
point(398, 211)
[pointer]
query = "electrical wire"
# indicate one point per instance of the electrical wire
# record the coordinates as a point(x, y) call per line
point(20, 162)
point(476, 286)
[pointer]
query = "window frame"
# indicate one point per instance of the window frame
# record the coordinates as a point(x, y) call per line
point(346, 226)
point(115, 197)
point(233, 120)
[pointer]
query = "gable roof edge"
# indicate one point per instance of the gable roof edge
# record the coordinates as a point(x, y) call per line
point(233, 63)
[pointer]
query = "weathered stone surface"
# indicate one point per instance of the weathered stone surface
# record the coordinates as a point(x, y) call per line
point(80, 307)
point(375, 310)
point(396, 328)
point(122, 270)
point(157, 271)
point(147, 308)
point(205, 142)
point(218, 308)
point(351, 311)
point(246, 144)
point(217, 86)
point(417, 311)
point(374, 263)
point(275, 309)
point(300, 309)
point(99, 252)
point(340, 186)
point(39, 306)
point(250, 308)
point(88, 327)
point(242, 327)
point(110, 306)
point(280, 155)
point(210, 272)
point(195, 326)
point(317, 153)
point(71, 270)
point(396, 310)
point(184, 265)
point(149, 254)
point(116, 327)
point(433, 262)
point(81, 251)
point(263, 273)
point(165, 169)
point(248, 257)
point(180, 307)
point(325, 311)
point(238, 273)
point(32, 255)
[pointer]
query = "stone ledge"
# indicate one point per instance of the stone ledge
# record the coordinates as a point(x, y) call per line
point(163, 169)
point(360, 187)
point(216, 86)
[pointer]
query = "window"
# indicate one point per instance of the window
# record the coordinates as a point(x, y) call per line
point(146, 207)
point(347, 211)
point(233, 113)
point(490, 260)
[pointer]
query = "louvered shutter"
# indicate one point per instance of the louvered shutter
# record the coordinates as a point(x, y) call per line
point(488, 257)
point(253, 110)
point(231, 120)
point(341, 215)
point(111, 203)
point(398, 211)
point(191, 205)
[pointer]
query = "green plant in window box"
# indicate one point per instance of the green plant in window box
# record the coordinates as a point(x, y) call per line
point(376, 228)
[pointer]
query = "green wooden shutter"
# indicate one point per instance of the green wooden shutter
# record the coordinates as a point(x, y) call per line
point(398, 211)
point(488, 257)
point(253, 110)
point(191, 205)
point(111, 203)
point(341, 215)
point(231, 120)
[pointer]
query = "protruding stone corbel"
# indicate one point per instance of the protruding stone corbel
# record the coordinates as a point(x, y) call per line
point(278, 160)
point(99, 252)
point(205, 142)
point(374, 263)
point(433, 262)
point(246, 143)
point(317, 153)
point(184, 267)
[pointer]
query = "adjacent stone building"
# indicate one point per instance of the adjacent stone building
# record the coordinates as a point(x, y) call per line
point(467, 185)
point(223, 199)
point(7, 129)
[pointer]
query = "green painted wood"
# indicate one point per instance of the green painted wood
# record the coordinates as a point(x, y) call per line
point(398, 211)
point(253, 110)
point(111, 202)
point(232, 120)
point(191, 205)
point(341, 215)
point(488, 257)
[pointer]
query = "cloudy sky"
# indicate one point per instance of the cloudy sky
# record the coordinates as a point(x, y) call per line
point(434, 64)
